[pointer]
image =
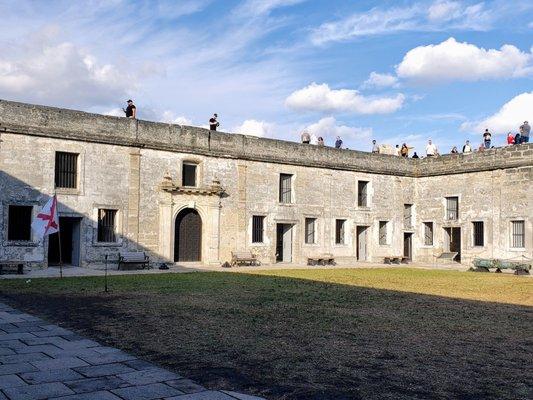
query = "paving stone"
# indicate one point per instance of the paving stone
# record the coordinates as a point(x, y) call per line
point(54, 375)
point(59, 363)
point(54, 332)
point(12, 344)
point(31, 318)
point(4, 351)
point(2, 397)
point(105, 369)
point(77, 344)
point(18, 329)
point(241, 396)
point(105, 349)
point(55, 340)
point(89, 396)
point(15, 336)
point(10, 381)
point(140, 364)
point(7, 317)
point(186, 385)
point(8, 369)
point(146, 376)
point(56, 352)
point(40, 348)
point(96, 384)
point(108, 358)
point(37, 392)
point(19, 358)
point(147, 392)
point(71, 336)
point(209, 395)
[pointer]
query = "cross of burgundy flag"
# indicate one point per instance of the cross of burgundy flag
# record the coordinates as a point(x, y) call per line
point(46, 221)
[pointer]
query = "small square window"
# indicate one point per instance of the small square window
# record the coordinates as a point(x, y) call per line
point(189, 174)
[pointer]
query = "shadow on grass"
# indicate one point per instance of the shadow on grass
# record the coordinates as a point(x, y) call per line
point(287, 338)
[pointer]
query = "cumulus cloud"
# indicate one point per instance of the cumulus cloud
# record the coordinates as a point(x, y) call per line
point(317, 97)
point(171, 118)
point(452, 60)
point(254, 128)
point(440, 16)
point(507, 119)
point(61, 74)
point(377, 80)
point(329, 130)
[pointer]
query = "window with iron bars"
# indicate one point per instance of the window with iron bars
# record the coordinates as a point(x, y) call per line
point(310, 227)
point(107, 225)
point(428, 233)
point(66, 170)
point(382, 232)
point(340, 233)
point(452, 208)
point(258, 222)
point(285, 188)
point(518, 234)
point(362, 193)
point(479, 237)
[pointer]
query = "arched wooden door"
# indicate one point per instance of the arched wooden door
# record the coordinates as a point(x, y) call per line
point(188, 236)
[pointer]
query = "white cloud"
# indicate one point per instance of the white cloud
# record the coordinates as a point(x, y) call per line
point(440, 16)
point(254, 128)
point(171, 118)
point(61, 74)
point(452, 60)
point(329, 130)
point(377, 80)
point(508, 119)
point(254, 8)
point(317, 97)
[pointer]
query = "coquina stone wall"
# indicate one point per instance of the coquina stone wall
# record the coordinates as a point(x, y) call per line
point(135, 167)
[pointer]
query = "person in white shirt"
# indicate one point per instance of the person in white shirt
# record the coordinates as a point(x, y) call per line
point(431, 149)
point(467, 148)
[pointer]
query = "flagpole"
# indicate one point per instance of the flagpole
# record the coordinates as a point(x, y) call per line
point(59, 240)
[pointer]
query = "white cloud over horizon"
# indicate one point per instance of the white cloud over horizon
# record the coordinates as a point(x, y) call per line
point(451, 60)
point(319, 97)
point(254, 128)
point(329, 129)
point(378, 80)
point(507, 119)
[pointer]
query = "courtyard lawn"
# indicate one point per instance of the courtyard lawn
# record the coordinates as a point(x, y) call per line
point(311, 334)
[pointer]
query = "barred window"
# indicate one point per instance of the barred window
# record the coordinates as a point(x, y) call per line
point(518, 234)
point(452, 208)
point(479, 237)
point(310, 230)
point(408, 216)
point(382, 232)
point(66, 170)
point(428, 233)
point(362, 193)
point(340, 233)
point(189, 174)
point(19, 223)
point(106, 225)
point(258, 222)
point(285, 188)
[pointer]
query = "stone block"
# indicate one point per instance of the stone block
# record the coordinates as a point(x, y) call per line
point(7, 381)
point(108, 358)
point(102, 395)
point(96, 384)
point(209, 395)
point(55, 375)
point(146, 376)
point(105, 369)
point(147, 392)
point(59, 363)
point(186, 386)
point(37, 392)
point(16, 368)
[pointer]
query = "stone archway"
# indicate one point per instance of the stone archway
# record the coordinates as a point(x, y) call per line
point(188, 236)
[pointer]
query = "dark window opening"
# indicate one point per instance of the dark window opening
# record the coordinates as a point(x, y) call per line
point(340, 231)
point(285, 188)
point(257, 228)
point(66, 170)
point(479, 239)
point(382, 232)
point(106, 225)
point(452, 208)
point(362, 195)
point(19, 223)
point(189, 175)
point(310, 226)
point(428, 233)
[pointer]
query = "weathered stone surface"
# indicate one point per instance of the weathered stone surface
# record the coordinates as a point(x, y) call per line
point(146, 392)
point(209, 395)
point(37, 392)
point(54, 375)
point(105, 369)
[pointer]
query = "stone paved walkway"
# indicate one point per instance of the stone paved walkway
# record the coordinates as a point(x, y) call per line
point(39, 360)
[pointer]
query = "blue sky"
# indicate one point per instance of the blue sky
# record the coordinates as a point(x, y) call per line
point(394, 71)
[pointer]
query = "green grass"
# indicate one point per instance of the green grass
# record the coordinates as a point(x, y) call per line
point(311, 334)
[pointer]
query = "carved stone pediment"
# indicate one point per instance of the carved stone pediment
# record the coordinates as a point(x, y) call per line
point(167, 185)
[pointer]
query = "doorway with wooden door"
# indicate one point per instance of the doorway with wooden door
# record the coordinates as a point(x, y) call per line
point(284, 243)
point(362, 246)
point(188, 236)
point(452, 241)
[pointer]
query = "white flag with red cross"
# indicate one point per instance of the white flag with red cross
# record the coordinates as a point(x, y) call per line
point(46, 222)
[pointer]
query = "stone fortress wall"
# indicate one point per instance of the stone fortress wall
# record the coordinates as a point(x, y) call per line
point(134, 166)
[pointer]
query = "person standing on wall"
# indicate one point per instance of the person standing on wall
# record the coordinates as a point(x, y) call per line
point(213, 123)
point(375, 147)
point(338, 142)
point(130, 110)
point(525, 129)
point(487, 138)
point(306, 137)
point(467, 148)
point(431, 149)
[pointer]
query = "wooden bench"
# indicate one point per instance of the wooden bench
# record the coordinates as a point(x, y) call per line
point(485, 264)
point(395, 260)
point(323, 259)
point(133, 257)
point(243, 258)
point(7, 267)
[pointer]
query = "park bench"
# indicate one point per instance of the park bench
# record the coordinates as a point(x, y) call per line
point(243, 258)
point(133, 257)
point(7, 267)
point(395, 260)
point(323, 259)
point(485, 264)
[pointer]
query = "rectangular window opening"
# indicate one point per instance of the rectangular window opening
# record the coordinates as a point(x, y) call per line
point(285, 188)
point(107, 225)
point(258, 222)
point(362, 193)
point(189, 175)
point(340, 227)
point(383, 232)
point(518, 234)
point(66, 170)
point(408, 216)
point(19, 223)
point(452, 208)
point(428, 233)
point(310, 230)
point(479, 238)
